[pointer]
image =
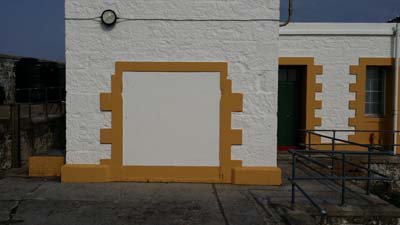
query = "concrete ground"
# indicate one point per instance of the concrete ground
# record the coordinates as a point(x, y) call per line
point(34, 201)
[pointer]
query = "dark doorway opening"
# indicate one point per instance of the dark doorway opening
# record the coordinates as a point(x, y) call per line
point(291, 106)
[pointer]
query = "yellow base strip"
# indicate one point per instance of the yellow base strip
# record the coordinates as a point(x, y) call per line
point(45, 166)
point(81, 173)
point(257, 176)
point(170, 174)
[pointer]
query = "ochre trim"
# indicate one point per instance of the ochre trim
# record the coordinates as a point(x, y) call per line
point(236, 137)
point(257, 175)
point(105, 102)
point(361, 121)
point(171, 174)
point(106, 136)
point(312, 87)
point(105, 162)
point(45, 166)
point(113, 170)
point(72, 173)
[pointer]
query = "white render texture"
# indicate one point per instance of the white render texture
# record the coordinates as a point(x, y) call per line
point(171, 118)
point(249, 47)
point(336, 47)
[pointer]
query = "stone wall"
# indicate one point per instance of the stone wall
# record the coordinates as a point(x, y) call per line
point(7, 79)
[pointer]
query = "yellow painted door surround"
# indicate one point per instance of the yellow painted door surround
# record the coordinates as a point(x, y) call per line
point(228, 171)
point(312, 87)
point(362, 121)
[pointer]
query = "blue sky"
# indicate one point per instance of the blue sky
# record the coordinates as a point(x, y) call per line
point(35, 28)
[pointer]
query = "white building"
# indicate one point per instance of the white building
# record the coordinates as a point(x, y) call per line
point(187, 90)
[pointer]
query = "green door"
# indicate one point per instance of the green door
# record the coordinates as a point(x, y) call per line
point(288, 107)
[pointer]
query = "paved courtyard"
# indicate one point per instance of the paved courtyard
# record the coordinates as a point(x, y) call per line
point(34, 201)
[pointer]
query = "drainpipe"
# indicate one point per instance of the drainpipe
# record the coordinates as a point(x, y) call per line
point(289, 16)
point(396, 87)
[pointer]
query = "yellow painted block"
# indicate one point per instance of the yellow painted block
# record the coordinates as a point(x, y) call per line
point(106, 136)
point(105, 101)
point(105, 162)
point(236, 101)
point(236, 137)
point(257, 176)
point(45, 166)
point(84, 173)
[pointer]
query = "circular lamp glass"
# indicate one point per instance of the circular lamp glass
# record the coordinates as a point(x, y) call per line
point(108, 17)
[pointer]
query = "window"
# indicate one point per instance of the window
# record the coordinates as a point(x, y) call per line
point(288, 74)
point(375, 91)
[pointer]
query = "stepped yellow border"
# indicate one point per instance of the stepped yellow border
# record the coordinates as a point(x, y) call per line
point(229, 171)
point(312, 87)
point(360, 121)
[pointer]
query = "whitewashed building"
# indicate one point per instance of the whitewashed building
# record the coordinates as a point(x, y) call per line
point(192, 91)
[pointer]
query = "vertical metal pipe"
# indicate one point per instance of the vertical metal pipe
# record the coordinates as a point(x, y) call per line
point(369, 171)
point(19, 134)
point(294, 158)
point(29, 95)
point(333, 151)
point(342, 202)
point(309, 140)
point(396, 86)
point(13, 136)
point(290, 14)
point(15, 139)
point(59, 94)
point(393, 137)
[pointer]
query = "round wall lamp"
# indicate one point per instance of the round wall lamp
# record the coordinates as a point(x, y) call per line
point(109, 17)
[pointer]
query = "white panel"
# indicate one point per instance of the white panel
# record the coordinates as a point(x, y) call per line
point(171, 118)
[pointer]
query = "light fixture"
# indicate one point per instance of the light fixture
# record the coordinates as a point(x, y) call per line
point(108, 17)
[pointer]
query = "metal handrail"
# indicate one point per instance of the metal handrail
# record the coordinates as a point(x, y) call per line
point(305, 154)
point(371, 175)
point(343, 142)
point(338, 139)
point(344, 130)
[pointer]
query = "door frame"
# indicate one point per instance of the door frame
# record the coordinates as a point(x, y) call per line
point(296, 99)
point(113, 169)
point(312, 87)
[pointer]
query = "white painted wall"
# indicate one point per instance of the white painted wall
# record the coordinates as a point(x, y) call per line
point(336, 47)
point(171, 119)
point(250, 48)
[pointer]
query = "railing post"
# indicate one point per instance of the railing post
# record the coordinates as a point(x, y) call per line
point(309, 140)
point(29, 95)
point(45, 95)
point(15, 136)
point(343, 179)
point(369, 171)
point(333, 150)
point(294, 158)
point(393, 137)
point(59, 94)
